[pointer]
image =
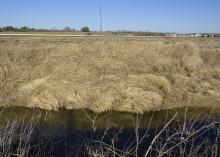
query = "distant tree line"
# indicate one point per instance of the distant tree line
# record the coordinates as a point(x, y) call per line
point(16, 29)
point(29, 29)
point(88, 31)
point(138, 33)
point(83, 29)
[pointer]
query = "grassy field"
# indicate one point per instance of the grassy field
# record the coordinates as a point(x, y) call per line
point(109, 73)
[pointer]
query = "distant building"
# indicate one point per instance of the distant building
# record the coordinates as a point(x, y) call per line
point(171, 34)
point(198, 35)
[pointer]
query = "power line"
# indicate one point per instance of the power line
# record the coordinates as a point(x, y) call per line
point(100, 13)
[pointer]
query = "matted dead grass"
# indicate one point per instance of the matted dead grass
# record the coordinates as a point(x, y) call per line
point(102, 74)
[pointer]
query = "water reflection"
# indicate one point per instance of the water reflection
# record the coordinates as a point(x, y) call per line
point(86, 120)
point(84, 133)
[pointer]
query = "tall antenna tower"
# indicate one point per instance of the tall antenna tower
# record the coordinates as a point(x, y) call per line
point(100, 14)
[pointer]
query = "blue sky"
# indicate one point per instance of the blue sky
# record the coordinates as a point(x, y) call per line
point(182, 16)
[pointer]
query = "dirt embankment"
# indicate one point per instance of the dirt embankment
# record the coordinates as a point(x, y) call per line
point(110, 74)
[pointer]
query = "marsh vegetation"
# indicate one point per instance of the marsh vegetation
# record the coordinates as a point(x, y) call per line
point(109, 74)
point(109, 96)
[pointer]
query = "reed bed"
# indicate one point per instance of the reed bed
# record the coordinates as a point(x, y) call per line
point(103, 74)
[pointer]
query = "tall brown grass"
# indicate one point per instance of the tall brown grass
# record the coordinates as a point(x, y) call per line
point(102, 74)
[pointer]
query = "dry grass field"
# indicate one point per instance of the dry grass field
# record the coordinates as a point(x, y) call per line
point(102, 74)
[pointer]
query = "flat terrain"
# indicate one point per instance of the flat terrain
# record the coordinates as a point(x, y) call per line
point(59, 33)
point(55, 34)
point(109, 73)
point(73, 34)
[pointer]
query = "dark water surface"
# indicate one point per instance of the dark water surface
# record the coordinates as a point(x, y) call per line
point(81, 119)
point(83, 133)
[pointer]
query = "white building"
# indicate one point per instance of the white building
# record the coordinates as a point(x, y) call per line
point(198, 35)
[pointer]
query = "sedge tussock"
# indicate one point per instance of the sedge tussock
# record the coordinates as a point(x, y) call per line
point(132, 75)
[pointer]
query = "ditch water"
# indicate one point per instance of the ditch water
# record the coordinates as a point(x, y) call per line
point(83, 133)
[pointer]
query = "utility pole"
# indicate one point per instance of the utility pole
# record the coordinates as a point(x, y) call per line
point(100, 13)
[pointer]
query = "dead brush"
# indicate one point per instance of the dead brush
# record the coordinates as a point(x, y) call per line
point(15, 137)
point(191, 136)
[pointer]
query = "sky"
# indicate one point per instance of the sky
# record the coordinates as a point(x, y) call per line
point(180, 16)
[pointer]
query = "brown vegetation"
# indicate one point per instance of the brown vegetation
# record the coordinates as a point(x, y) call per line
point(102, 74)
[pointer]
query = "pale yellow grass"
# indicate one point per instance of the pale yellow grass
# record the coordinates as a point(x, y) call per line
point(103, 74)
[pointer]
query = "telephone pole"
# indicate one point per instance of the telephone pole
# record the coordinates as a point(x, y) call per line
point(100, 14)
